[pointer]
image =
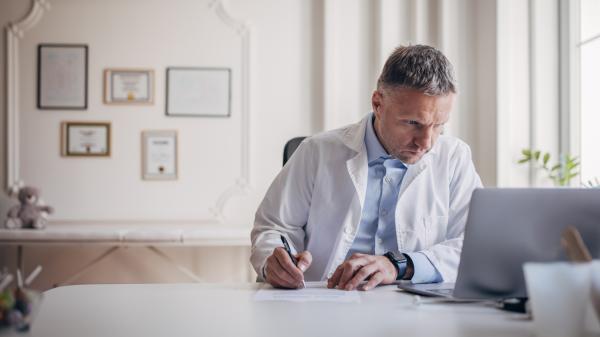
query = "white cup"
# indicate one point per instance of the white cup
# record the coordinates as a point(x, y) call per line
point(559, 293)
point(593, 315)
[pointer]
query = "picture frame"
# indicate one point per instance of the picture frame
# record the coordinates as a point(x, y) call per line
point(85, 139)
point(128, 86)
point(198, 92)
point(159, 155)
point(62, 76)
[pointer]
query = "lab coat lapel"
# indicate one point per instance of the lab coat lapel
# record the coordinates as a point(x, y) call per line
point(358, 173)
point(357, 166)
point(412, 173)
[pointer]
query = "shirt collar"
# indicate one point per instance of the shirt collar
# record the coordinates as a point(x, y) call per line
point(375, 150)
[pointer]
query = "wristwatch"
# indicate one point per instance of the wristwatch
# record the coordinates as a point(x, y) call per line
point(400, 262)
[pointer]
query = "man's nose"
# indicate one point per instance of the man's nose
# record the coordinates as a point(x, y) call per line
point(424, 138)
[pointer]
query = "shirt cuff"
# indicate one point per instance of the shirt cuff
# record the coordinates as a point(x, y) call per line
point(424, 271)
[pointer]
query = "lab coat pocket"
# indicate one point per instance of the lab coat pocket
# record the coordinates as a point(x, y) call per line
point(435, 229)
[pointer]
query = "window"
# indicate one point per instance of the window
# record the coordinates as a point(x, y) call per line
point(589, 50)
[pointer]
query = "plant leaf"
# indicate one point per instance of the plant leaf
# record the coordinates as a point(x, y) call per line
point(546, 158)
point(571, 165)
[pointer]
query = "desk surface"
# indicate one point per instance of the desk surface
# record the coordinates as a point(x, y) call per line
point(229, 310)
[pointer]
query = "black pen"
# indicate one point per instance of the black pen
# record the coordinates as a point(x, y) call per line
point(286, 246)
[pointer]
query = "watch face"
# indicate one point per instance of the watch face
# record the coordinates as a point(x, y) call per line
point(399, 263)
point(393, 257)
point(397, 259)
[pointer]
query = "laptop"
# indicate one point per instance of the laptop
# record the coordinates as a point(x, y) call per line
point(507, 227)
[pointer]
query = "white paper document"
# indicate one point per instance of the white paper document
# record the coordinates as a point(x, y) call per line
point(314, 292)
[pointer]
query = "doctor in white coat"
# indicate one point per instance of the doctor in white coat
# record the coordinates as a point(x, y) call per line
point(381, 200)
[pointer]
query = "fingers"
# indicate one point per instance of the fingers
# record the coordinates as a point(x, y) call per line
point(360, 268)
point(374, 281)
point(351, 267)
point(363, 274)
point(278, 282)
point(335, 278)
point(286, 263)
point(280, 271)
point(304, 260)
point(346, 271)
point(277, 276)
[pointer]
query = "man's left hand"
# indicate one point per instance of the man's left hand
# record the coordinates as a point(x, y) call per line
point(361, 267)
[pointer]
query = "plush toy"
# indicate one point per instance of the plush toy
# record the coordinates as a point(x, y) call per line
point(29, 214)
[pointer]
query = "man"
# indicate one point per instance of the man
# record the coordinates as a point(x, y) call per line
point(382, 200)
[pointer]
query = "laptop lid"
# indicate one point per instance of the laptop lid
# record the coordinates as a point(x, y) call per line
point(507, 227)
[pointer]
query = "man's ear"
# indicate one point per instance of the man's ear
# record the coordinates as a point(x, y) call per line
point(376, 99)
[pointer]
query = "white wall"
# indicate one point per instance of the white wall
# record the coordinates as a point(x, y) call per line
point(590, 105)
point(119, 35)
point(312, 66)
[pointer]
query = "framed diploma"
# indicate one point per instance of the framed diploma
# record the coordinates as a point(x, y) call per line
point(128, 86)
point(62, 76)
point(85, 139)
point(198, 92)
point(159, 155)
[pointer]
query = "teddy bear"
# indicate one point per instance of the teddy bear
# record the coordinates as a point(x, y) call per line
point(29, 213)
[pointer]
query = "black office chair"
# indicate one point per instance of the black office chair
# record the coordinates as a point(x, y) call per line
point(290, 147)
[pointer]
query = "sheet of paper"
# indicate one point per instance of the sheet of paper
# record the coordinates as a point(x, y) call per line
point(314, 292)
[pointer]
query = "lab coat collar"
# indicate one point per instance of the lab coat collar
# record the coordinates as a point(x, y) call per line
point(353, 136)
point(374, 148)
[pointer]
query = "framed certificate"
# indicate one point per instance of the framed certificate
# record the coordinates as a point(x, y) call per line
point(128, 86)
point(198, 92)
point(85, 139)
point(62, 76)
point(159, 155)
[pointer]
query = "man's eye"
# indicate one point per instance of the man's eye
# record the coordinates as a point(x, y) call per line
point(410, 122)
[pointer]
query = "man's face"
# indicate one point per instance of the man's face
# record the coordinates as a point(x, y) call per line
point(408, 122)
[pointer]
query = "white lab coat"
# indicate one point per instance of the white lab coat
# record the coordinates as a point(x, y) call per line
point(317, 199)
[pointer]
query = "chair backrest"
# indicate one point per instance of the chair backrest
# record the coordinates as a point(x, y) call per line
point(290, 147)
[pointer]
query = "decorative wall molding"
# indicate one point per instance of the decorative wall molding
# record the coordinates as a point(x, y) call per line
point(16, 31)
point(242, 184)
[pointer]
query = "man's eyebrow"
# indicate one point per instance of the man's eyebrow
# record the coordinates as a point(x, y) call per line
point(412, 120)
point(421, 122)
point(416, 119)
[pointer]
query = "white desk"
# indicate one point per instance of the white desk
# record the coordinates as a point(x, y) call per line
point(115, 236)
point(229, 310)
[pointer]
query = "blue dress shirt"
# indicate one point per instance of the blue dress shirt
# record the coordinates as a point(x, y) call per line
point(377, 229)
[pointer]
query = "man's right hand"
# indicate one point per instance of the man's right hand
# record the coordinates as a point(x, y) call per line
point(281, 272)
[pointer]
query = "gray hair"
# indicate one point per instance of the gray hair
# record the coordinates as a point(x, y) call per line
point(418, 67)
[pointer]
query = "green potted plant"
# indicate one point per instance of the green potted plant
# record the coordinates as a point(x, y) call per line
point(561, 173)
